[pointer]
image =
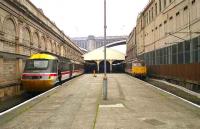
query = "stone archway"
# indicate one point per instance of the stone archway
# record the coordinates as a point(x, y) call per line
point(118, 66)
point(9, 28)
point(90, 66)
point(101, 67)
point(35, 42)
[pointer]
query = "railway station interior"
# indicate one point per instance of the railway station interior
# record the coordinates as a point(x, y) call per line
point(52, 77)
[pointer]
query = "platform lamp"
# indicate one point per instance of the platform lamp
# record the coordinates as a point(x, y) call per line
point(105, 81)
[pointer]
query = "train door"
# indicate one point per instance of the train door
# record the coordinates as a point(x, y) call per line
point(59, 71)
point(71, 70)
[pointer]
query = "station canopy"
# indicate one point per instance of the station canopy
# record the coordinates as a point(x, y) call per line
point(98, 54)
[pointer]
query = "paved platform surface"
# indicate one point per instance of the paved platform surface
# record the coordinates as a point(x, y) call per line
point(131, 104)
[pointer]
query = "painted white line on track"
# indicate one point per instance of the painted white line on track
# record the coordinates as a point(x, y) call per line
point(196, 105)
point(13, 108)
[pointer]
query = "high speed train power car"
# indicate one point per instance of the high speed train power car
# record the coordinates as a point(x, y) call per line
point(43, 70)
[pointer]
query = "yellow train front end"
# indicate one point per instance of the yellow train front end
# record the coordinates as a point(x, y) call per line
point(37, 86)
point(139, 71)
point(137, 68)
point(40, 73)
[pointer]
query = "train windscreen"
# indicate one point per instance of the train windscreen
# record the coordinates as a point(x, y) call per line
point(36, 64)
point(138, 64)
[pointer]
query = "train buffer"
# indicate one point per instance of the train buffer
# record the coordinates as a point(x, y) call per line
point(78, 104)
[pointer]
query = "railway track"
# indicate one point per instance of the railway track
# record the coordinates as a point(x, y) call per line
point(14, 101)
point(192, 97)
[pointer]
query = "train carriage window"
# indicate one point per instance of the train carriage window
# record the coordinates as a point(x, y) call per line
point(195, 50)
point(180, 53)
point(54, 66)
point(66, 67)
point(187, 52)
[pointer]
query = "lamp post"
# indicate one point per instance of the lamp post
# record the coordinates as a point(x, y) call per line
point(105, 77)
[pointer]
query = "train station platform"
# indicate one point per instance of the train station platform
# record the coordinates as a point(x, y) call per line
point(131, 104)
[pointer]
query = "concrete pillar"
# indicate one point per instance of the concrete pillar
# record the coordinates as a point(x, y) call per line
point(19, 68)
point(20, 35)
point(98, 62)
point(18, 39)
point(1, 68)
point(1, 36)
point(110, 65)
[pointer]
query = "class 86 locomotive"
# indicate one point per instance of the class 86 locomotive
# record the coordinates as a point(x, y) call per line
point(43, 71)
point(136, 68)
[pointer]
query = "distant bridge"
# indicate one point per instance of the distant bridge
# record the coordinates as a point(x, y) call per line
point(121, 42)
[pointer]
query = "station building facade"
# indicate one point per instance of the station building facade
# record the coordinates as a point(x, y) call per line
point(167, 37)
point(25, 30)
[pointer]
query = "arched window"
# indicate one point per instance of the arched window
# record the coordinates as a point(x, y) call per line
point(35, 40)
point(10, 33)
point(10, 30)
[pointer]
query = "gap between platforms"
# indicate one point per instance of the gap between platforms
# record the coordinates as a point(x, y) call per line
point(182, 93)
point(196, 105)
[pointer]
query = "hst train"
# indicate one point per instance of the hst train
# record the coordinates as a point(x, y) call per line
point(43, 70)
point(136, 68)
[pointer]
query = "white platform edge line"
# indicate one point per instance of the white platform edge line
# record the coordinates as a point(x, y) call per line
point(198, 106)
point(17, 106)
